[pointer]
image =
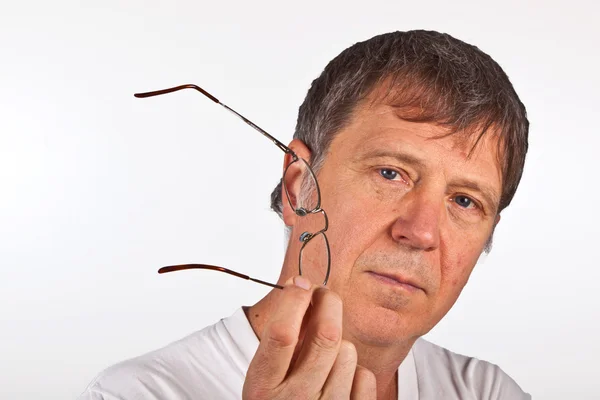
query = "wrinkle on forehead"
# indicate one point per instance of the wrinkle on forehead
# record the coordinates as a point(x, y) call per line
point(467, 143)
point(386, 96)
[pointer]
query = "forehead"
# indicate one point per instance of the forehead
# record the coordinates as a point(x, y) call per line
point(379, 123)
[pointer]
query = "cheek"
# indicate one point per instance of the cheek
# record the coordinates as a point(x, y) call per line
point(352, 229)
point(455, 270)
point(347, 232)
point(345, 214)
point(456, 267)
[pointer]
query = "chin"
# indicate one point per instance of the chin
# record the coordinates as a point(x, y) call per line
point(381, 326)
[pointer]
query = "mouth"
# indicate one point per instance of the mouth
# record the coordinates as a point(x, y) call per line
point(397, 281)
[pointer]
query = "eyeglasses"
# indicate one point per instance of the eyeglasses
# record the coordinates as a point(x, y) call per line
point(306, 203)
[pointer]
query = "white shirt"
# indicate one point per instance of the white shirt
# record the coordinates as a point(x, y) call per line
point(212, 364)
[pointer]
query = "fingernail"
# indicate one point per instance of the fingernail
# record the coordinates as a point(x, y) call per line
point(302, 282)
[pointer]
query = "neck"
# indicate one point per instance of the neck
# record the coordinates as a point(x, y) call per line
point(383, 361)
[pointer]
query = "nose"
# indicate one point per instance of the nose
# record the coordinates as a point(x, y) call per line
point(417, 223)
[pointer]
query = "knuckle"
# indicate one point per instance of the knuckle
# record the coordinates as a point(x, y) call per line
point(296, 294)
point(281, 335)
point(348, 351)
point(327, 335)
point(293, 290)
point(349, 346)
point(365, 376)
point(256, 388)
point(297, 390)
point(346, 359)
point(331, 297)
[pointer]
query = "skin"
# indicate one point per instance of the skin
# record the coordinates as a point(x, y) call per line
point(400, 200)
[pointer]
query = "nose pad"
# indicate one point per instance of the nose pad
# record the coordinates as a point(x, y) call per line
point(305, 236)
point(301, 212)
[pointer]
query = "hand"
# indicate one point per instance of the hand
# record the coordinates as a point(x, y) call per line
point(321, 365)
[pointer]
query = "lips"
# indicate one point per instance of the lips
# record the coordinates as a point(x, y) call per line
point(396, 280)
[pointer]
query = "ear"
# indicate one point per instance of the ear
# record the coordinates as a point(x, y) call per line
point(293, 179)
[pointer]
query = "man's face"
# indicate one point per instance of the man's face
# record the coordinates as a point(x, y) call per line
point(409, 215)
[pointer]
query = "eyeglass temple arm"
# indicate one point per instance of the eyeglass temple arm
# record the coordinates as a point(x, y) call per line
point(182, 267)
point(277, 143)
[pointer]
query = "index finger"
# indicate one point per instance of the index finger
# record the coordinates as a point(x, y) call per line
point(280, 336)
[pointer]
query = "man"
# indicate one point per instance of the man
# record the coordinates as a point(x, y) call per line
point(417, 142)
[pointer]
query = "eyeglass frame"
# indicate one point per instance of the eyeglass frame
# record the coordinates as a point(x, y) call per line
point(305, 237)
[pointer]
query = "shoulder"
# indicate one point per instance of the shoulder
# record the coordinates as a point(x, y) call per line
point(446, 374)
point(197, 366)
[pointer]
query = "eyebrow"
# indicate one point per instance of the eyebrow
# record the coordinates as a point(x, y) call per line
point(403, 157)
point(488, 194)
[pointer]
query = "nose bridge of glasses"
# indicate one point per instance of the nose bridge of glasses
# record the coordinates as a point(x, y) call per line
point(302, 212)
point(311, 221)
point(326, 220)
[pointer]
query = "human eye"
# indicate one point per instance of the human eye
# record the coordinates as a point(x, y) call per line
point(391, 174)
point(388, 173)
point(466, 202)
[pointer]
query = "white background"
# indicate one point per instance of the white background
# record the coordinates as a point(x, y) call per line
point(99, 189)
